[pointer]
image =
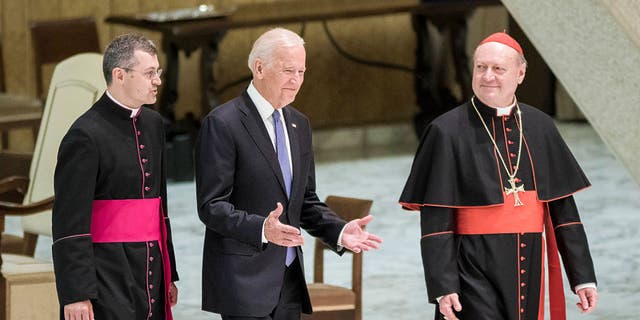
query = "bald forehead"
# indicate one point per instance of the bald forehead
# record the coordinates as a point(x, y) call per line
point(496, 52)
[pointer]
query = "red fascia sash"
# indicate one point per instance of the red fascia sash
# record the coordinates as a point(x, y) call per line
point(133, 220)
point(557, 306)
point(506, 218)
point(532, 217)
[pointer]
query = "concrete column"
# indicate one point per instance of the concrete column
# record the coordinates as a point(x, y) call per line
point(597, 60)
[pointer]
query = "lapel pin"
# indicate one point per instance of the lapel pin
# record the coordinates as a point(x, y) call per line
point(294, 125)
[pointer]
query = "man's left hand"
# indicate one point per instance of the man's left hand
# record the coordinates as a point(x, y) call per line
point(173, 294)
point(356, 239)
point(588, 299)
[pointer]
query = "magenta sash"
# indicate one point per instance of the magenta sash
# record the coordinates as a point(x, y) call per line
point(133, 220)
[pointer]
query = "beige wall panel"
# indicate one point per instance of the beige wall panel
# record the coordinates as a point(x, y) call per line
point(336, 91)
point(231, 64)
point(69, 9)
point(99, 10)
point(339, 91)
point(149, 6)
point(189, 85)
point(15, 41)
point(75, 8)
point(123, 6)
point(246, 1)
point(119, 7)
point(174, 4)
point(43, 9)
point(132, 7)
point(483, 22)
point(189, 76)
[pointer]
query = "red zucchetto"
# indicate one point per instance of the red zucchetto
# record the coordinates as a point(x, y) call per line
point(504, 38)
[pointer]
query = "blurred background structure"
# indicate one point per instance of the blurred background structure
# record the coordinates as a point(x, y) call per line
point(374, 79)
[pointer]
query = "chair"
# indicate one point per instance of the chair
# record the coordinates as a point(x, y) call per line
point(76, 84)
point(332, 302)
point(56, 40)
point(27, 285)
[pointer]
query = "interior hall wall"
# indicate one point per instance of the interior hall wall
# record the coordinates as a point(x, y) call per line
point(336, 92)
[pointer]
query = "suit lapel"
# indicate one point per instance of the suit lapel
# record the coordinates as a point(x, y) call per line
point(256, 129)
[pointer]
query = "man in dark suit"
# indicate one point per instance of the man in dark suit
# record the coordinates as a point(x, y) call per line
point(255, 181)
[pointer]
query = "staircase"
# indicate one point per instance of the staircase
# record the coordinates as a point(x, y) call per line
point(593, 48)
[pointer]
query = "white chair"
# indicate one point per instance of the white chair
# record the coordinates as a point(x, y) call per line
point(76, 84)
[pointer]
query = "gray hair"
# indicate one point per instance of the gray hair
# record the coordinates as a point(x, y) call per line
point(522, 59)
point(120, 52)
point(268, 42)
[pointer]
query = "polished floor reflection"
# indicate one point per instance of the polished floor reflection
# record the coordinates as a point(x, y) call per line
point(393, 280)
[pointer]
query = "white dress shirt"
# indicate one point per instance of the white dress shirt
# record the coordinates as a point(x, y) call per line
point(265, 109)
point(133, 111)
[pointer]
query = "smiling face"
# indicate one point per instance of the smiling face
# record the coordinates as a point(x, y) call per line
point(280, 79)
point(497, 72)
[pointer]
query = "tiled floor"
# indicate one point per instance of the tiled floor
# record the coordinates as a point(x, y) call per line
point(393, 280)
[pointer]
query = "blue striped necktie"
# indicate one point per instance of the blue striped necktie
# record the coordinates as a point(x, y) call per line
point(283, 160)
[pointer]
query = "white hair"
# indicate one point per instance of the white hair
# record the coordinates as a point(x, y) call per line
point(268, 42)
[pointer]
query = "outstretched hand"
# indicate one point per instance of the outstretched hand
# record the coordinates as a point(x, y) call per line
point(356, 239)
point(279, 233)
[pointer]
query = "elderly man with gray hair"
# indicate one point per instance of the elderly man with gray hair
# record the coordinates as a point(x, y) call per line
point(255, 182)
point(493, 181)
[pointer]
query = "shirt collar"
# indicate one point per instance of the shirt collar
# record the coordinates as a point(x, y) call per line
point(134, 112)
point(505, 111)
point(265, 109)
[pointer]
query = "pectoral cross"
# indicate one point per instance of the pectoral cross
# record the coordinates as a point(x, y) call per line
point(514, 189)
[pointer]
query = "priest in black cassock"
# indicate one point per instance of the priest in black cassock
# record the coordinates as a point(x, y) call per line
point(112, 250)
point(494, 183)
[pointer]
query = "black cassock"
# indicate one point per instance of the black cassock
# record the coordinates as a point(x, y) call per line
point(109, 155)
point(498, 275)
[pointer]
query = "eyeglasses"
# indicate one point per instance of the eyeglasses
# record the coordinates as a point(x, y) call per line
point(151, 74)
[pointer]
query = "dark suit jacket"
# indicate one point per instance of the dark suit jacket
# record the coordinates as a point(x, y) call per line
point(239, 182)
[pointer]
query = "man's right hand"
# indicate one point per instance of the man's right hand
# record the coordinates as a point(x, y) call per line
point(279, 233)
point(449, 303)
point(82, 310)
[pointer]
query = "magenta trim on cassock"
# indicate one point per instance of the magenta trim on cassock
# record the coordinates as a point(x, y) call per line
point(133, 220)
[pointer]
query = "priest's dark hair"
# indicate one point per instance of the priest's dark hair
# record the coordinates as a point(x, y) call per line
point(119, 53)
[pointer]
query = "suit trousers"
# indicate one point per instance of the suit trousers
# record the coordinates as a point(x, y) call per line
point(289, 306)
